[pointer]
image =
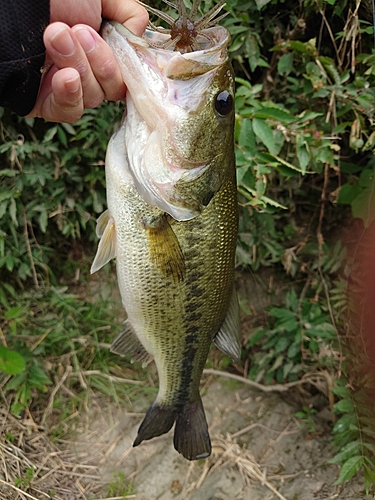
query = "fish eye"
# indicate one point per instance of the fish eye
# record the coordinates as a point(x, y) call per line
point(224, 103)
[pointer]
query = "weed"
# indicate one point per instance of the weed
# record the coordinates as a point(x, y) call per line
point(306, 415)
point(25, 481)
point(119, 488)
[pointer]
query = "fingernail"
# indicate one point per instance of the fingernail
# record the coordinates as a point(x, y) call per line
point(73, 84)
point(86, 39)
point(63, 43)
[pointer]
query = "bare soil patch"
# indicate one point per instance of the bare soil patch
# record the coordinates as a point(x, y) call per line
point(260, 452)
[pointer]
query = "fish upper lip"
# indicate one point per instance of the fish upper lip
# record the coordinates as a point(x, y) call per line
point(222, 38)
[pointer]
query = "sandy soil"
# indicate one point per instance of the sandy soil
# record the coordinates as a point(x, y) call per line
point(260, 452)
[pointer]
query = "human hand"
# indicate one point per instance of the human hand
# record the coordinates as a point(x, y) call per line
point(82, 70)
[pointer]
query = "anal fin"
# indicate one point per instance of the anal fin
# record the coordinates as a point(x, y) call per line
point(127, 342)
point(228, 338)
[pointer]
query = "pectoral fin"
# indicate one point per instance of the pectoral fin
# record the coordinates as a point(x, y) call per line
point(127, 342)
point(102, 223)
point(165, 250)
point(105, 229)
point(228, 338)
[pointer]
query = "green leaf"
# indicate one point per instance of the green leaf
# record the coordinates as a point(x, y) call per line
point(264, 132)
point(62, 136)
point(369, 475)
point(363, 206)
point(341, 391)
point(308, 115)
point(14, 312)
point(348, 193)
point(261, 3)
point(293, 351)
point(274, 114)
point(16, 381)
point(368, 431)
point(343, 406)
point(282, 344)
point(50, 134)
point(68, 128)
point(11, 362)
point(349, 468)
point(38, 377)
point(246, 138)
point(256, 337)
point(43, 221)
point(289, 165)
point(7, 172)
point(346, 452)
point(253, 51)
point(285, 64)
point(13, 211)
point(303, 154)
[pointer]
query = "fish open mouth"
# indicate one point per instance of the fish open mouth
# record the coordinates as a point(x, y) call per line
point(165, 89)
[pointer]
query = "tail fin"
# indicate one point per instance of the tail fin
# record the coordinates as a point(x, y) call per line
point(191, 437)
point(158, 421)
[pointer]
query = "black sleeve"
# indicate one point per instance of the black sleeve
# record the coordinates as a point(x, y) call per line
point(22, 52)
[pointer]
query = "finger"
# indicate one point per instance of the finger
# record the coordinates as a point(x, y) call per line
point(102, 62)
point(65, 51)
point(60, 98)
point(74, 12)
point(129, 12)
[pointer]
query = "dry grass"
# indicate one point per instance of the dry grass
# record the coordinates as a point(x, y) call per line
point(32, 466)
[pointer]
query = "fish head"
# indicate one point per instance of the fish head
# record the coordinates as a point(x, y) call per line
point(180, 117)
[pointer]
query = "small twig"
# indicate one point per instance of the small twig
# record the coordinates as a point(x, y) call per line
point(112, 378)
point(29, 252)
point(54, 392)
point(322, 13)
point(260, 387)
point(41, 338)
point(249, 427)
point(21, 492)
point(320, 239)
point(65, 473)
point(300, 316)
point(41, 492)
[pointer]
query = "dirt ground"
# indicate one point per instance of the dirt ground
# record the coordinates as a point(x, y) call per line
point(260, 452)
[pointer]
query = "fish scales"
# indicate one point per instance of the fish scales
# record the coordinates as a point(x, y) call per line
point(172, 219)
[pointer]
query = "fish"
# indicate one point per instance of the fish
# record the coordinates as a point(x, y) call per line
point(172, 217)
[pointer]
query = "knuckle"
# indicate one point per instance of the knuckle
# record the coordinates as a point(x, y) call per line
point(107, 71)
point(94, 100)
point(142, 16)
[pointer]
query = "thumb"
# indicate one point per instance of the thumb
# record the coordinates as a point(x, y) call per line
point(61, 97)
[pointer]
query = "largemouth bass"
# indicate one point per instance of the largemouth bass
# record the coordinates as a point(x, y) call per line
point(172, 216)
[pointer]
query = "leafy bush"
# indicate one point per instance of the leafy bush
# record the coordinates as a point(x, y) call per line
point(51, 189)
